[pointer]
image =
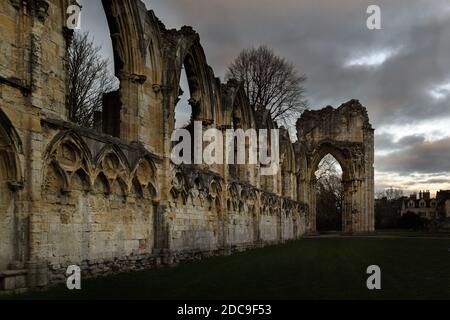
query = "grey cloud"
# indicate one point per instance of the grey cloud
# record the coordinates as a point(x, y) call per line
point(435, 181)
point(319, 37)
point(411, 140)
point(424, 157)
point(386, 142)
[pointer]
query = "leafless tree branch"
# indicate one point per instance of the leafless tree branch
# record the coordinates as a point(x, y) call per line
point(88, 80)
point(271, 83)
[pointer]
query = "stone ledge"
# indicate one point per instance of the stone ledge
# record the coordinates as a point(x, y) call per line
point(13, 281)
point(12, 273)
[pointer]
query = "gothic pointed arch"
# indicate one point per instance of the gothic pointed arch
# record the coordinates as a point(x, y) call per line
point(136, 53)
point(10, 149)
point(237, 114)
point(112, 162)
point(126, 23)
point(287, 152)
point(11, 181)
point(237, 111)
point(200, 77)
point(81, 181)
point(67, 153)
point(102, 184)
point(342, 154)
point(145, 176)
point(347, 135)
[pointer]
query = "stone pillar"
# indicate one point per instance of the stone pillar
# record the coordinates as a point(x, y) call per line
point(38, 228)
point(347, 208)
point(160, 229)
point(131, 97)
point(312, 228)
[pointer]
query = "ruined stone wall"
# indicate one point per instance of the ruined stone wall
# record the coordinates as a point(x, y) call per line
point(32, 87)
point(98, 199)
point(113, 201)
point(346, 134)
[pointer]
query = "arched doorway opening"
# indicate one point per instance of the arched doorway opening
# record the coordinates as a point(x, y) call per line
point(340, 161)
point(329, 195)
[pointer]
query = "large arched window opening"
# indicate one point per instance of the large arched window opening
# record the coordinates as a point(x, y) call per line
point(245, 142)
point(92, 84)
point(193, 104)
point(183, 110)
point(196, 81)
point(329, 195)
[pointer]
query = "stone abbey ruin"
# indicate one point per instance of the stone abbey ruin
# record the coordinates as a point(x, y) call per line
point(111, 200)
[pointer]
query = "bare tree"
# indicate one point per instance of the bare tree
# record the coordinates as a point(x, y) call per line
point(88, 78)
point(327, 167)
point(271, 83)
point(390, 194)
point(330, 195)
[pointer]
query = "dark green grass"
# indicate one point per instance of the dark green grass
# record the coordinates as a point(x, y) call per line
point(329, 268)
point(410, 233)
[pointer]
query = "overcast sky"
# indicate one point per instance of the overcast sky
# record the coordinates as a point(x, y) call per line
point(400, 73)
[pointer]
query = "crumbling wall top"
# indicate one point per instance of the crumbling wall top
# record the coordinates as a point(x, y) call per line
point(345, 122)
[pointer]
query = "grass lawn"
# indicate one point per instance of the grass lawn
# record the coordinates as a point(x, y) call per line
point(409, 233)
point(322, 268)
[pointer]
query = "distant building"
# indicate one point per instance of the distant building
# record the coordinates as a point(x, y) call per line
point(427, 207)
point(423, 205)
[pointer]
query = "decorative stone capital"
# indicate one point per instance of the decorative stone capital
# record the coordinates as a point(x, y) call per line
point(138, 78)
point(157, 88)
point(133, 77)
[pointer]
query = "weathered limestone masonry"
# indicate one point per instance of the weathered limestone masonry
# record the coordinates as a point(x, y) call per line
point(112, 201)
point(346, 134)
